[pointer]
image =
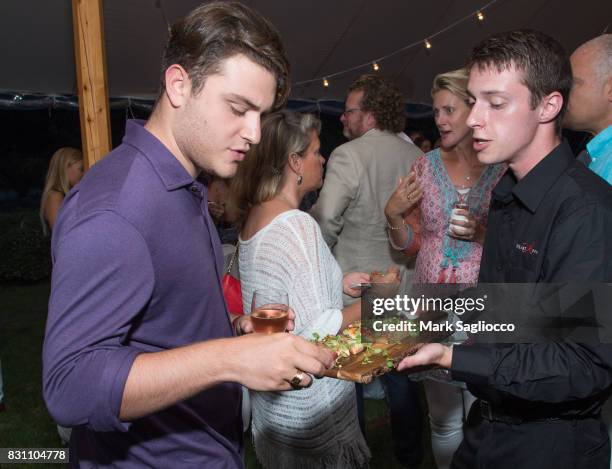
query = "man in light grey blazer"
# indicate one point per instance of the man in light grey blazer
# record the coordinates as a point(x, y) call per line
point(361, 175)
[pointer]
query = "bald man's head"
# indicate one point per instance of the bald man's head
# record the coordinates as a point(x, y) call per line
point(590, 103)
point(599, 51)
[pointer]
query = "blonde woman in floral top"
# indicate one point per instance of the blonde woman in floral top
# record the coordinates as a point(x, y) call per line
point(449, 251)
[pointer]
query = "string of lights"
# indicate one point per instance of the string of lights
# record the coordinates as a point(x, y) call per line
point(426, 42)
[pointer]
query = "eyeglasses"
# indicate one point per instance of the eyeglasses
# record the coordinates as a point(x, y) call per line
point(349, 111)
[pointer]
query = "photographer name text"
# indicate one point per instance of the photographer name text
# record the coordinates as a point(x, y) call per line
point(412, 326)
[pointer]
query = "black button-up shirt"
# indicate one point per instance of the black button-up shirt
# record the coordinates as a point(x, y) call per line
point(555, 225)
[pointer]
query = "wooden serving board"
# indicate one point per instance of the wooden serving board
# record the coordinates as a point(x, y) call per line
point(352, 369)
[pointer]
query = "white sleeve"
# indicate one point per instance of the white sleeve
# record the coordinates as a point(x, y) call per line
point(313, 281)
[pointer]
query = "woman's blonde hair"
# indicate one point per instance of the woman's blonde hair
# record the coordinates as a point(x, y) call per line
point(455, 82)
point(57, 176)
point(259, 176)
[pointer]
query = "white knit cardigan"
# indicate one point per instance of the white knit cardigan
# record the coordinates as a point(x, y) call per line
point(315, 427)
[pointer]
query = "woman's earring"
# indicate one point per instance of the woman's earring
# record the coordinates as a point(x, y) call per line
point(299, 180)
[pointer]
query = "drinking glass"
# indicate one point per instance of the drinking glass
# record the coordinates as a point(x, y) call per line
point(460, 204)
point(269, 311)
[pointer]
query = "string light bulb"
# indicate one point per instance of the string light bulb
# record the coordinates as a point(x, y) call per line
point(426, 43)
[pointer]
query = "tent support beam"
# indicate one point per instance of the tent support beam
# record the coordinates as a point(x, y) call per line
point(90, 58)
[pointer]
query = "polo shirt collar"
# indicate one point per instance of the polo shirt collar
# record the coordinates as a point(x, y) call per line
point(533, 187)
point(164, 163)
point(601, 144)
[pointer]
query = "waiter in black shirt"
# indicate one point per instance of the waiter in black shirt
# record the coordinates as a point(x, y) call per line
point(550, 220)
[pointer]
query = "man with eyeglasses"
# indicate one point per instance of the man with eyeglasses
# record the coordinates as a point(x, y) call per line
point(361, 175)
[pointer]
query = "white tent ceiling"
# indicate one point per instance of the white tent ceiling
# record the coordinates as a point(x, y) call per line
point(321, 38)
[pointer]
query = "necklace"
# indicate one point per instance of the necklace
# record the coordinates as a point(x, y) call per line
point(464, 173)
point(468, 180)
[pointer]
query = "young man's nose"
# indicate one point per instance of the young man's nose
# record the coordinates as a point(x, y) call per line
point(251, 131)
point(474, 118)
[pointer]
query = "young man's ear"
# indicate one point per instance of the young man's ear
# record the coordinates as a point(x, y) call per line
point(178, 85)
point(551, 106)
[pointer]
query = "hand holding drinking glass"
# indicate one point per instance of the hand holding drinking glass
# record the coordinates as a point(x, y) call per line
point(269, 311)
point(392, 275)
point(463, 224)
point(352, 281)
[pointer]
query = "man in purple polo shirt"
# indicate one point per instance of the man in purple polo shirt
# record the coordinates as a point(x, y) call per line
point(139, 356)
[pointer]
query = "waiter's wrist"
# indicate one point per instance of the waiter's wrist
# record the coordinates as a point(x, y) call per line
point(446, 359)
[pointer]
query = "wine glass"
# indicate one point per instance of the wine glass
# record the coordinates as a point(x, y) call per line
point(269, 311)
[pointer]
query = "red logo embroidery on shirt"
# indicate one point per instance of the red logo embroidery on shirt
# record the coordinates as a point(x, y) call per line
point(527, 248)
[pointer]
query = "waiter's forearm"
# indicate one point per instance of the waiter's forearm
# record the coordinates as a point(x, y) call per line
point(547, 372)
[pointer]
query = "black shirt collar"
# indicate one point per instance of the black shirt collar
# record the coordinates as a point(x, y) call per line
point(533, 187)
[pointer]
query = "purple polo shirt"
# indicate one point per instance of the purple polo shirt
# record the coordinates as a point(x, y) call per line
point(136, 268)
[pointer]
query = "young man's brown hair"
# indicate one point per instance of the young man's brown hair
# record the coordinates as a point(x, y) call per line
point(543, 61)
point(216, 31)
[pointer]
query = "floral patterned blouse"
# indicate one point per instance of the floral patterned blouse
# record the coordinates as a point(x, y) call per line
point(441, 258)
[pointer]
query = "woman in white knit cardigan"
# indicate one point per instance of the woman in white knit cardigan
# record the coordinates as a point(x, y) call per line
point(281, 247)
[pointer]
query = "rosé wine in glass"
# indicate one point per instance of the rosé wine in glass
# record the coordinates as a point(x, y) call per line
point(269, 311)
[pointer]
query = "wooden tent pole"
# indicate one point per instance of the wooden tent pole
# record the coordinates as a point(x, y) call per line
point(88, 27)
